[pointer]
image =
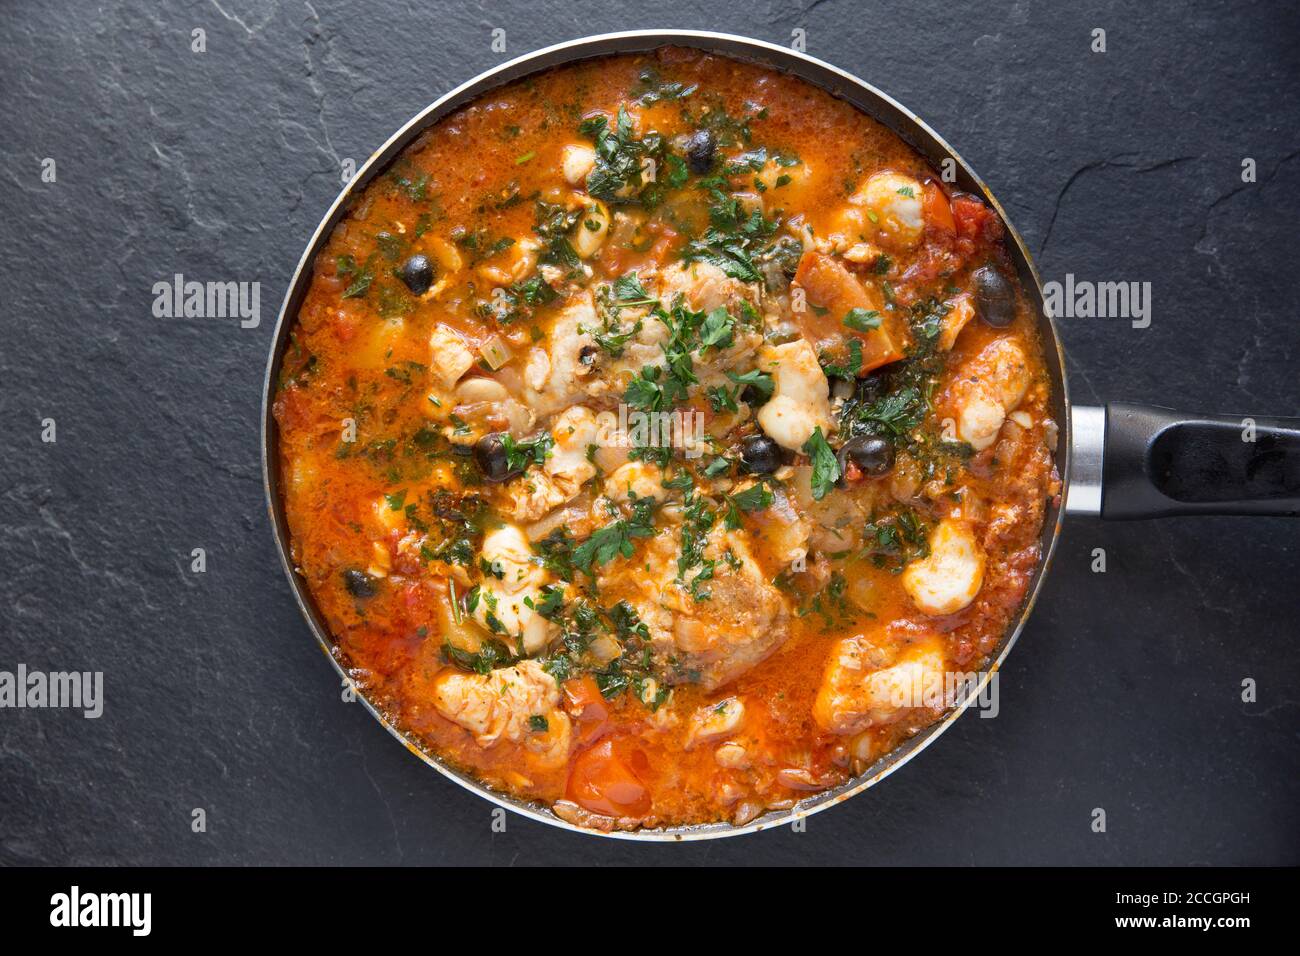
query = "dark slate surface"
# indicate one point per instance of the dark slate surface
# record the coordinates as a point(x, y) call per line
point(1124, 692)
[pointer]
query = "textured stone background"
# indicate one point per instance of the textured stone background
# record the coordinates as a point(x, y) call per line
point(1124, 690)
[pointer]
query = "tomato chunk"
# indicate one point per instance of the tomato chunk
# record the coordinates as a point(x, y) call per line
point(938, 213)
point(583, 701)
point(831, 291)
point(603, 780)
point(974, 220)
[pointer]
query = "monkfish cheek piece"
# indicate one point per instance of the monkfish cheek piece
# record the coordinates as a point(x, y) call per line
point(591, 231)
point(636, 479)
point(573, 433)
point(893, 205)
point(979, 419)
point(450, 357)
point(857, 694)
point(800, 400)
point(991, 385)
point(576, 162)
point(715, 720)
point(502, 705)
point(507, 552)
point(949, 578)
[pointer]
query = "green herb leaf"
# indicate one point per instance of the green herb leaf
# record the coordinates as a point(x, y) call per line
point(615, 539)
point(716, 330)
point(754, 498)
point(761, 381)
point(825, 467)
point(628, 288)
point(849, 369)
point(519, 455)
point(862, 320)
point(644, 392)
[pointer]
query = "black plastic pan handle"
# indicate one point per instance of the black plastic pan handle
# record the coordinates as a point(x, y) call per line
point(1141, 461)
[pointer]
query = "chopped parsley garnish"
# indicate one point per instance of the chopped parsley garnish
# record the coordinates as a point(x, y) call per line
point(755, 498)
point(895, 540)
point(644, 391)
point(721, 399)
point(761, 381)
point(619, 156)
point(519, 455)
point(825, 466)
point(717, 328)
point(535, 291)
point(491, 654)
point(615, 539)
point(830, 604)
point(582, 623)
point(719, 466)
point(733, 237)
point(657, 388)
point(926, 319)
point(628, 290)
point(895, 415)
point(553, 225)
point(862, 320)
point(849, 369)
point(454, 529)
point(359, 278)
point(658, 90)
point(754, 159)
point(556, 551)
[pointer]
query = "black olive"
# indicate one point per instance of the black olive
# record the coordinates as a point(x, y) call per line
point(873, 455)
point(995, 299)
point(760, 455)
point(490, 455)
point(588, 354)
point(753, 396)
point(359, 584)
point(700, 148)
point(417, 274)
point(871, 386)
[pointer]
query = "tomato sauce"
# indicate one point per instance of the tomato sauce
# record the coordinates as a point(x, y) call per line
point(602, 671)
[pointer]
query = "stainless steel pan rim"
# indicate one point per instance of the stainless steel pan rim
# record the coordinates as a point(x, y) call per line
point(844, 86)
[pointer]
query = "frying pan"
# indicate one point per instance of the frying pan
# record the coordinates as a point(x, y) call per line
point(1121, 461)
